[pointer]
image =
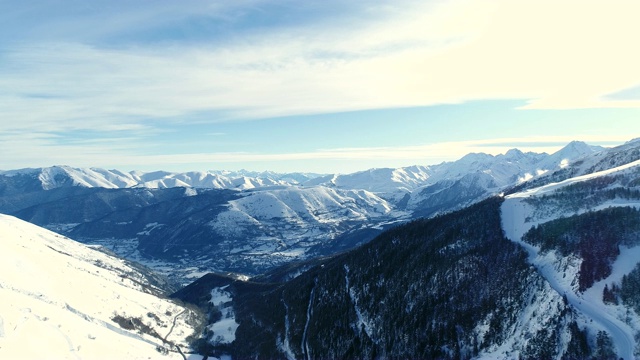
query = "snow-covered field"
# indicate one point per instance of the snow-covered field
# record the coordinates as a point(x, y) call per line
point(59, 299)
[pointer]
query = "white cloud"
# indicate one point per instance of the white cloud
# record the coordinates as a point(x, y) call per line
point(560, 54)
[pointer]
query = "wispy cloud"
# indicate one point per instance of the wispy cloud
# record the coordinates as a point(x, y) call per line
point(413, 54)
point(125, 70)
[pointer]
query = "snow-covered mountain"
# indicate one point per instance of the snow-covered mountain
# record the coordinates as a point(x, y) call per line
point(64, 300)
point(391, 184)
point(447, 287)
point(61, 176)
point(420, 187)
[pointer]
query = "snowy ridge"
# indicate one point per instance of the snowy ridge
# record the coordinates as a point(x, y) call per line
point(495, 173)
point(556, 186)
point(508, 168)
point(285, 217)
point(59, 176)
point(62, 299)
point(317, 204)
point(384, 180)
point(614, 157)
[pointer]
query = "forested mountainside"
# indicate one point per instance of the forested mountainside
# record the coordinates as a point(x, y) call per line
point(582, 236)
point(448, 287)
point(596, 237)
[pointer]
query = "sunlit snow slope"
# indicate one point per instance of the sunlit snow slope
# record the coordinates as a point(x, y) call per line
point(60, 299)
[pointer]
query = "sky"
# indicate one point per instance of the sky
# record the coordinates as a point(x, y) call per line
point(313, 86)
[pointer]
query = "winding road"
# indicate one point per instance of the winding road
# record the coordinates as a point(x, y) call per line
point(175, 319)
point(513, 220)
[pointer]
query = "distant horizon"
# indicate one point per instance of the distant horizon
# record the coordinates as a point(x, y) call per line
point(316, 86)
point(221, 170)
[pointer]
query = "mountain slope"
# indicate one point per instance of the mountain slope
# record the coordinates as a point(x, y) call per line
point(582, 236)
point(62, 299)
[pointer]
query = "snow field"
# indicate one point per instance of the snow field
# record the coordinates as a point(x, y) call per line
point(224, 330)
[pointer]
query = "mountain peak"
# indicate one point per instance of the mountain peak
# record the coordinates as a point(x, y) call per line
point(472, 157)
point(577, 149)
point(514, 154)
point(576, 144)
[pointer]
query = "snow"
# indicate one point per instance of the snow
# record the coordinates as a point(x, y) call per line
point(59, 298)
point(223, 330)
point(555, 186)
point(285, 344)
point(363, 322)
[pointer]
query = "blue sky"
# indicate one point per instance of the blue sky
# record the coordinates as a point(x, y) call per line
point(320, 86)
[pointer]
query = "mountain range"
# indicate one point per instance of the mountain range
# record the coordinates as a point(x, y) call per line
point(252, 222)
point(541, 271)
point(520, 255)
